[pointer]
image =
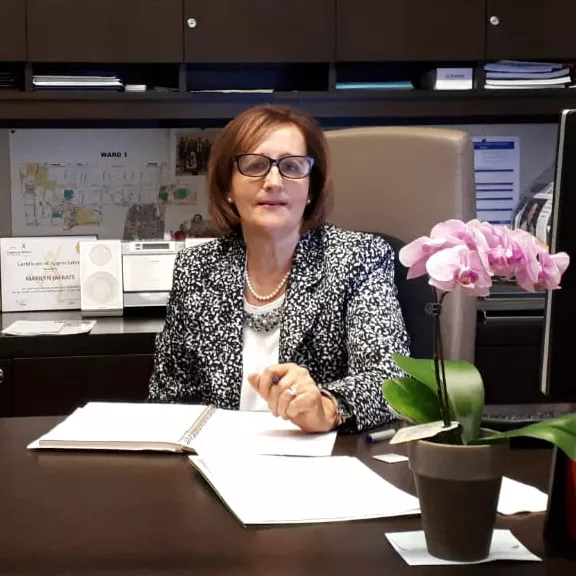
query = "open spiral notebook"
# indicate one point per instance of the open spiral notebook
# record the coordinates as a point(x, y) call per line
point(181, 428)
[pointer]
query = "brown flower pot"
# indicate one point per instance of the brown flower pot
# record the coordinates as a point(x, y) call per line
point(458, 488)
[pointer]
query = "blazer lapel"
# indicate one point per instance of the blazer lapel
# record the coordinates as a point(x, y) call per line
point(302, 304)
point(224, 306)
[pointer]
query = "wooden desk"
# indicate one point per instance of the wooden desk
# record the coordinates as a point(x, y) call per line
point(95, 513)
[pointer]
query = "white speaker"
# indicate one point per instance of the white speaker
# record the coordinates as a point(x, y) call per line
point(101, 292)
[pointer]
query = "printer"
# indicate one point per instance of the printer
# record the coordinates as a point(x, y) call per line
point(147, 268)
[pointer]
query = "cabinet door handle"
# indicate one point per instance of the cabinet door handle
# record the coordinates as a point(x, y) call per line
point(1, 376)
point(191, 23)
point(494, 20)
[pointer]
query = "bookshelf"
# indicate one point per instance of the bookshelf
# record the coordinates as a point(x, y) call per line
point(296, 48)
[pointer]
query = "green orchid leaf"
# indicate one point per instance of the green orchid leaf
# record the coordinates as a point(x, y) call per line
point(420, 369)
point(412, 398)
point(466, 393)
point(465, 389)
point(560, 431)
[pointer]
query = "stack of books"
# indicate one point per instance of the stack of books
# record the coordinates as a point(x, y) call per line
point(8, 81)
point(82, 82)
point(515, 75)
point(385, 85)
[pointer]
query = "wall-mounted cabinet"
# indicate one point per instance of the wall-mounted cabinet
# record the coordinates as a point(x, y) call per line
point(12, 30)
point(303, 52)
point(404, 30)
point(259, 31)
point(104, 31)
point(531, 30)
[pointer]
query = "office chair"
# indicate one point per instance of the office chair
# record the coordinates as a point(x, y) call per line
point(399, 182)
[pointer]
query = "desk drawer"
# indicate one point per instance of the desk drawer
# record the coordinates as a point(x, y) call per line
point(55, 386)
point(5, 387)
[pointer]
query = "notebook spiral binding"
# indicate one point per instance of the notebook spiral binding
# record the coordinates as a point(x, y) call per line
point(196, 428)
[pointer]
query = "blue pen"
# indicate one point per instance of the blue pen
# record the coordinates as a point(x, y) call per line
point(380, 436)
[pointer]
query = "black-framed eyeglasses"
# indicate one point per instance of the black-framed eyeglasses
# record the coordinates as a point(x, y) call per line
point(258, 165)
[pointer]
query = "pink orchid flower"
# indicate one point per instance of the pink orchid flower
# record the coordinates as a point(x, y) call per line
point(551, 269)
point(508, 253)
point(466, 256)
point(459, 267)
point(415, 254)
point(542, 269)
point(444, 235)
point(528, 266)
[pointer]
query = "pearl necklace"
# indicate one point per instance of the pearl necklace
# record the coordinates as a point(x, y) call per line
point(268, 296)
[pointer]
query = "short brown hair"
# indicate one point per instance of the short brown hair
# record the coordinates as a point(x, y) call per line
point(241, 135)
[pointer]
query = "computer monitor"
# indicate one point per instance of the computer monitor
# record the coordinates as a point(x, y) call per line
point(559, 343)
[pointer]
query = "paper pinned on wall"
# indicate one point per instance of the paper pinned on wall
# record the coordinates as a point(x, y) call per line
point(497, 177)
point(187, 213)
point(74, 182)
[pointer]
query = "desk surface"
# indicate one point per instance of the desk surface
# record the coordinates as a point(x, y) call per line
point(113, 513)
point(113, 335)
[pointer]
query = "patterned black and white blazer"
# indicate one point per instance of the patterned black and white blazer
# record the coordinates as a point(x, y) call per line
point(341, 320)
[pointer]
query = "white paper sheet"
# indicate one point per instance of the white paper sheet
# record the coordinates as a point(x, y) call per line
point(516, 497)
point(259, 432)
point(159, 426)
point(72, 182)
point(275, 489)
point(497, 175)
point(390, 458)
point(412, 547)
point(33, 328)
point(38, 327)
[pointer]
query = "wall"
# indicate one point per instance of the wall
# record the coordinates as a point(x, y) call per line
point(537, 145)
point(5, 217)
point(537, 148)
point(537, 152)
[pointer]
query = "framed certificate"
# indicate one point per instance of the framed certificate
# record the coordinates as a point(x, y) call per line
point(40, 273)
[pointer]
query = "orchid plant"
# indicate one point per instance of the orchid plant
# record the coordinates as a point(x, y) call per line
point(468, 256)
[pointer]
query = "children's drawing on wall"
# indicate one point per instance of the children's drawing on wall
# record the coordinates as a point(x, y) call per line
point(132, 184)
point(144, 222)
point(93, 181)
point(181, 224)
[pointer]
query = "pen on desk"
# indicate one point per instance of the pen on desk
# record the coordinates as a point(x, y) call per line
point(380, 436)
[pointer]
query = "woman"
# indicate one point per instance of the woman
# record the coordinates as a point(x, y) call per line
point(285, 312)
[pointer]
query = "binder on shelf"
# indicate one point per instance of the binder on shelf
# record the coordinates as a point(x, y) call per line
point(454, 79)
point(181, 428)
point(392, 85)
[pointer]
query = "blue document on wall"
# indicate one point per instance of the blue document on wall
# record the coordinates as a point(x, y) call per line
point(497, 176)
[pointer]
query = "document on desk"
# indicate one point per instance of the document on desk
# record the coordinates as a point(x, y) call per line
point(181, 428)
point(39, 327)
point(289, 490)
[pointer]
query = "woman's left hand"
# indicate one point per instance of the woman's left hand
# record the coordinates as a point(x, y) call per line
point(292, 394)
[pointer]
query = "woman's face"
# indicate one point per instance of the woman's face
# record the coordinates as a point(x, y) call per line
point(273, 203)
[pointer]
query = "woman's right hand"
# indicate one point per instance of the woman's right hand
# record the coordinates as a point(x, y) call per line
point(292, 394)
